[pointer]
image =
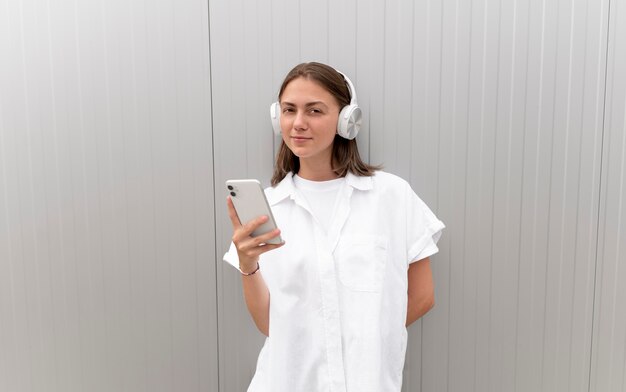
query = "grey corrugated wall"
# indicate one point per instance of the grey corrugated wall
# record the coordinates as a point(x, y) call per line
point(107, 279)
point(120, 121)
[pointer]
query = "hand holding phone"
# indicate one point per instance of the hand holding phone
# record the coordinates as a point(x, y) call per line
point(254, 228)
point(250, 203)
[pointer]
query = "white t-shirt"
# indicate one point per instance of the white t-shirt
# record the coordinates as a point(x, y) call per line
point(320, 196)
point(339, 297)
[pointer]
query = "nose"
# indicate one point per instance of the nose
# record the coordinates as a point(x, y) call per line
point(299, 121)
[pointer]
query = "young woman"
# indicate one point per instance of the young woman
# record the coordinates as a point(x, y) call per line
point(335, 298)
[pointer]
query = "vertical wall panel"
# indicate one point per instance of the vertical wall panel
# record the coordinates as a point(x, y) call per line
point(608, 371)
point(106, 217)
point(240, 41)
point(17, 349)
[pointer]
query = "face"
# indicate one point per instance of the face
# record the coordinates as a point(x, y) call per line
point(308, 119)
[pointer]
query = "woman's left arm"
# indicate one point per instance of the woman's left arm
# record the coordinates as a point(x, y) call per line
point(421, 290)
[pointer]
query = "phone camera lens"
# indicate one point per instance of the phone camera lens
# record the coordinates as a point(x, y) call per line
point(230, 187)
point(233, 194)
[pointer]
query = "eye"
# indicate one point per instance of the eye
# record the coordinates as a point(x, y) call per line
point(288, 110)
point(315, 111)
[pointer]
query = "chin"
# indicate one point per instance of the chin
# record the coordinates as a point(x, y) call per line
point(300, 153)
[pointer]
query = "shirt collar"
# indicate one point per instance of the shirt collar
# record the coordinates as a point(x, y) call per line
point(362, 183)
point(286, 188)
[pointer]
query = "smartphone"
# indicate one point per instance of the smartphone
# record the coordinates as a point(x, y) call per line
point(250, 202)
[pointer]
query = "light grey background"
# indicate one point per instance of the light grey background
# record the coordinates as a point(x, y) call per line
point(120, 121)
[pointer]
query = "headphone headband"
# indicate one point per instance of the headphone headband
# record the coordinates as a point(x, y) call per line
point(350, 88)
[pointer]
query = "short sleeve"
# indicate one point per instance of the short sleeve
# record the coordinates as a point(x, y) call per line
point(231, 257)
point(423, 228)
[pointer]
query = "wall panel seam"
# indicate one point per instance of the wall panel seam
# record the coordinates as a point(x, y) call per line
point(600, 193)
point(216, 249)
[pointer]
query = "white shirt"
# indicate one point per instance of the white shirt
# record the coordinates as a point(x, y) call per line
point(338, 299)
point(321, 196)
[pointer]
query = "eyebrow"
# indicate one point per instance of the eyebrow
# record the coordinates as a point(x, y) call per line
point(307, 104)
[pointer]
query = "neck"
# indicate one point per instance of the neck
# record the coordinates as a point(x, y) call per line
point(316, 171)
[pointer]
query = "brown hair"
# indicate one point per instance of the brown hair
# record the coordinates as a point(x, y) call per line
point(345, 154)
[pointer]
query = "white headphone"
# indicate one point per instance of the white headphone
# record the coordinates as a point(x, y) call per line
point(348, 123)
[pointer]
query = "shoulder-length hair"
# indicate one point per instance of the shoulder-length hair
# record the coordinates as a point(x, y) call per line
point(345, 154)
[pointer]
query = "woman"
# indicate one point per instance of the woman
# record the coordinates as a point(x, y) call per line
point(335, 298)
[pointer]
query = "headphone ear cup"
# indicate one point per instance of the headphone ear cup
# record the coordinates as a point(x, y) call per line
point(275, 117)
point(349, 122)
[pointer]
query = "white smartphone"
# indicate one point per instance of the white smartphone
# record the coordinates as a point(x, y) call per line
point(250, 202)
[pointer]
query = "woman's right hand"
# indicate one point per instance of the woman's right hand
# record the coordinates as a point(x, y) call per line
point(250, 248)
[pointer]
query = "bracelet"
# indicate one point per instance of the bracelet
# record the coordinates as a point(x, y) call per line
point(250, 273)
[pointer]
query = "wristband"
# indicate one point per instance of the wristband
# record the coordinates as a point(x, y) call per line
point(250, 273)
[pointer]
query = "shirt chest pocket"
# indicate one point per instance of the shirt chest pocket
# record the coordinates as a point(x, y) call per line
point(361, 262)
